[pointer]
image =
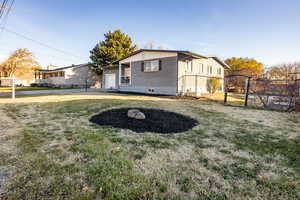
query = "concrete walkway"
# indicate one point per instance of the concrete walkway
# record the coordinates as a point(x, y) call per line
point(52, 91)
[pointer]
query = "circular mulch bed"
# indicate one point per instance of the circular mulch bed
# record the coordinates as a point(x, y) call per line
point(157, 121)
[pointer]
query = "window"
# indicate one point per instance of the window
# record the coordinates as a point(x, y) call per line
point(219, 71)
point(151, 66)
point(210, 69)
point(189, 66)
point(125, 74)
point(201, 68)
point(62, 74)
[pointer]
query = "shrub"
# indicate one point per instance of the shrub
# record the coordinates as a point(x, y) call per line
point(34, 85)
point(214, 85)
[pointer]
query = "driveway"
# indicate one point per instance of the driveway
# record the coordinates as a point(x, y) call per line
point(52, 91)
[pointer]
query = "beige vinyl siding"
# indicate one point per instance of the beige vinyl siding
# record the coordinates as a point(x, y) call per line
point(187, 81)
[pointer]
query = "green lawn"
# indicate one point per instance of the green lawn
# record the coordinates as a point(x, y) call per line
point(234, 153)
point(8, 89)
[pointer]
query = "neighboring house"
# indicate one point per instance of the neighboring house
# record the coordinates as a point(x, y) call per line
point(74, 76)
point(167, 72)
point(20, 79)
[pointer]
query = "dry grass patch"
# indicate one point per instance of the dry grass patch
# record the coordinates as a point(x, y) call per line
point(229, 155)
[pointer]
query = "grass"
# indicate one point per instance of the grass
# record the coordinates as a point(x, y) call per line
point(229, 155)
point(25, 88)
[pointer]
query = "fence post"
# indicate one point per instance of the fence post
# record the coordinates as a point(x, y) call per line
point(247, 91)
point(13, 87)
point(86, 82)
point(225, 90)
point(225, 97)
point(196, 86)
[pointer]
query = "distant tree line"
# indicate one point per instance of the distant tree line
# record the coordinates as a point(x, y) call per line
point(285, 71)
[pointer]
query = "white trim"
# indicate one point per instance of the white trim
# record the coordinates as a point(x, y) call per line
point(148, 56)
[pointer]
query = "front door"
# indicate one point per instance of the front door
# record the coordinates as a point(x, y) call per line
point(110, 81)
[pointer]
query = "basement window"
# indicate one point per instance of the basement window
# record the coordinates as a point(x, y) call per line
point(151, 90)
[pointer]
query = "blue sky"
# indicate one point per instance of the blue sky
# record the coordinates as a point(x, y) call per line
point(267, 30)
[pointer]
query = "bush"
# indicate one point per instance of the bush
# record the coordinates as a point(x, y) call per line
point(214, 85)
point(33, 84)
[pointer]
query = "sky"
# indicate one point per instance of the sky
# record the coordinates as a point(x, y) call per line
point(267, 30)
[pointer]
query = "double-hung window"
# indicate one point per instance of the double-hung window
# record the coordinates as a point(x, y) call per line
point(151, 66)
point(201, 68)
point(219, 71)
point(189, 66)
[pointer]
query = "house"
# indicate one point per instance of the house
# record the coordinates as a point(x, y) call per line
point(21, 79)
point(74, 76)
point(167, 72)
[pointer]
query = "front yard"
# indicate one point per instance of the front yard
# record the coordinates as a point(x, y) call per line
point(50, 150)
point(24, 88)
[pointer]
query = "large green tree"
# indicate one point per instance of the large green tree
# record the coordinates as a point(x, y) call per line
point(115, 46)
point(245, 66)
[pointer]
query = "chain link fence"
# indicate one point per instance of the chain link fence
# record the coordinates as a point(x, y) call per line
point(259, 92)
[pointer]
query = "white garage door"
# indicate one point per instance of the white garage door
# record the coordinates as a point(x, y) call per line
point(110, 81)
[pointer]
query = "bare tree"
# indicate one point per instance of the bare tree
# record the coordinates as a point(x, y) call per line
point(284, 71)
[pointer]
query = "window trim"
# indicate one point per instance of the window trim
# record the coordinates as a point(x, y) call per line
point(219, 71)
point(151, 67)
point(190, 70)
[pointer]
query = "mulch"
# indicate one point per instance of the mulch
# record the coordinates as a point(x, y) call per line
point(157, 121)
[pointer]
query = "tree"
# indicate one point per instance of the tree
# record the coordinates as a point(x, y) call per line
point(285, 71)
point(241, 66)
point(245, 66)
point(214, 84)
point(18, 63)
point(115, 46)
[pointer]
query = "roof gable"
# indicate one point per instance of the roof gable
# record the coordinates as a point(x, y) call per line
point(220, 62)
point(158, 51)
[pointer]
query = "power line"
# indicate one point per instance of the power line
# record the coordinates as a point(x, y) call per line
point(3, 7)
point(40, 43)
point(5, 17)
point(7, 12)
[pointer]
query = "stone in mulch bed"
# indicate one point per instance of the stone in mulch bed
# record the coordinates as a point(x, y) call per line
point(136, 114)
point(156, 121)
